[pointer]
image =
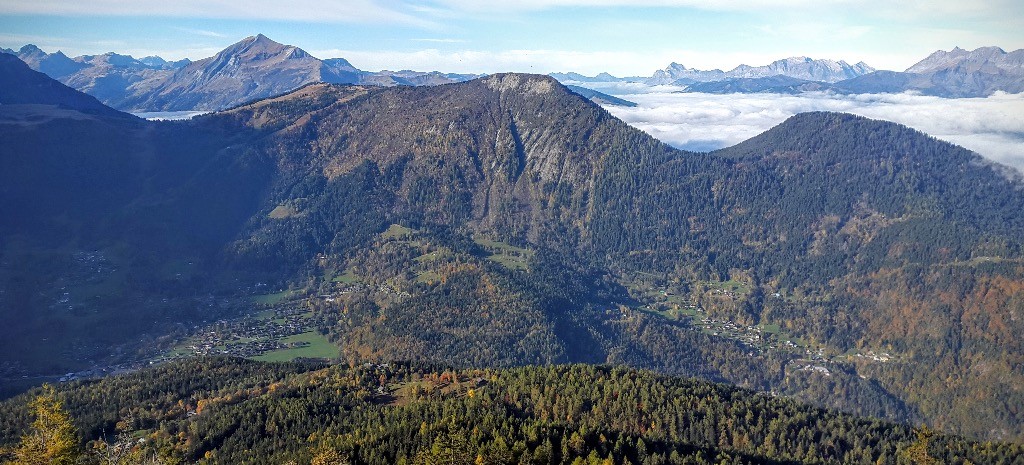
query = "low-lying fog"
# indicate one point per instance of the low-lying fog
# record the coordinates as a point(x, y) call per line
point(992, 126)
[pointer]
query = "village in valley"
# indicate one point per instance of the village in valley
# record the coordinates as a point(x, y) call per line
point(281, 329)
point(666, 302)
point(283, 325)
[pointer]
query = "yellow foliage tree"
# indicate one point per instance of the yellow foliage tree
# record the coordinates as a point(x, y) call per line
point(52, 439)
point(917, 452)
point(326, 455)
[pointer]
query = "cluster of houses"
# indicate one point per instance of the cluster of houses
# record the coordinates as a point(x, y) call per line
point(250, 336)
point(751, 336)
point(390, 291)
point(725, 293)
point(881, 357)
point(385, 290)
point(342, 290)
point(812, 368)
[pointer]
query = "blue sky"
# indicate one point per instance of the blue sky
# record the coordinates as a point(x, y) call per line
point(619, 36)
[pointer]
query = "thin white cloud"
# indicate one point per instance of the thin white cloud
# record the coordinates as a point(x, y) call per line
point(415, 12)
point(343, 11)
point(201, 32)
point(538, 5)
point(903, 10)
point(989, 126)
point(439, 41)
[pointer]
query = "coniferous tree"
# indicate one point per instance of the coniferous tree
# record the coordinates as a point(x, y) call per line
point(52, 440)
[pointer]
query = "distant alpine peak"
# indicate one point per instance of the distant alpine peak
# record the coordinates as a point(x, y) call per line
point(257, 41)
point(262, 41)
point(983, 57)
point(799, 67)
point(959, 52)
point(257, 51)
point(29, 48)
point(153, 60)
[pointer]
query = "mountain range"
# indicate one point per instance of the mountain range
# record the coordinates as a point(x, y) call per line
point(957, 73)
point(258, 67)
point(803, 68)
point(795, 67)
point(852, 263)
point(255, 67)
point(953, 74)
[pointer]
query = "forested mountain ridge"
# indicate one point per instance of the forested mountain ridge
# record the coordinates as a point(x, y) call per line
point(511, 154)
point(219, 410)
point(934, 273)
point(506, 220)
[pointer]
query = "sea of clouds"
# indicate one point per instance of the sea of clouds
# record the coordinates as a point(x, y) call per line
point(992, 126)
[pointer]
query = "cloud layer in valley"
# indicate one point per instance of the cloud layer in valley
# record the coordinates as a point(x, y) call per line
point(990, 126)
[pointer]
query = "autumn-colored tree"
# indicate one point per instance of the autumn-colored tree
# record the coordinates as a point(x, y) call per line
point(52, 440)
point(917, 452)
point(326, 455)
